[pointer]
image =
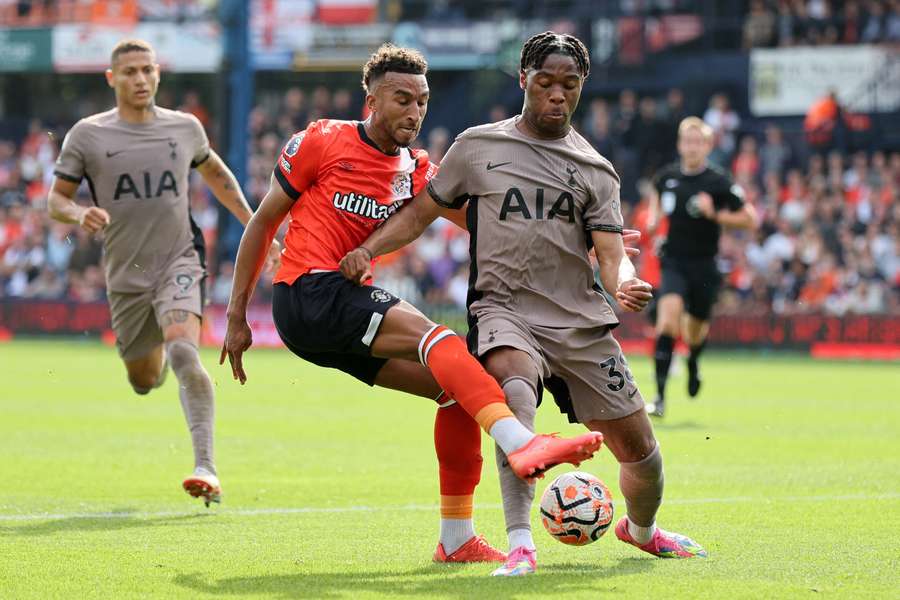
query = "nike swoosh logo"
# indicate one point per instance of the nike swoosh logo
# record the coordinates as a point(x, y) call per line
point(111, 154)
point(632, 393)
point(491, 167)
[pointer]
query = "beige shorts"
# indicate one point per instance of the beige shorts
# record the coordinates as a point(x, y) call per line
point(584, 368)
point(136, 316)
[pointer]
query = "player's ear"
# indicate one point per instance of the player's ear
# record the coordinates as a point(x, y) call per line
point(109, 78)
point(370, 102)
point(523, 78)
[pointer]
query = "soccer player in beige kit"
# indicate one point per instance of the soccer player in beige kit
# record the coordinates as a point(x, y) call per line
point(137, 159)
point(537, 196)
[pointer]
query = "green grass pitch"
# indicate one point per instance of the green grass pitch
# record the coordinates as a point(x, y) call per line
point(786, 470)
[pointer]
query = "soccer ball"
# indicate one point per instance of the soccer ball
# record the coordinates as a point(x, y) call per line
point(576, 508)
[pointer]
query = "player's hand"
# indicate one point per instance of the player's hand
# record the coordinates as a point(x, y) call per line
point(630, 237)
point(273, 258)
point(357, 266)
point(706, 206)
point(634, 295)
point(93, 219)
point(238, 338)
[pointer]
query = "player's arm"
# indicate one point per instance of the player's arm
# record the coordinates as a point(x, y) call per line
point(62, 207)
point(728, 208)
point(68, 174)
point(455, 216)
point(225, 188)
point(402, 228)
point(255, 243)
point(742, 218)
point(617, 271)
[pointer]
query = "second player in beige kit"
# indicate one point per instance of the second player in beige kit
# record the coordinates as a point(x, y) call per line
point(154, 252)
point(137, 159)
point(531, 207)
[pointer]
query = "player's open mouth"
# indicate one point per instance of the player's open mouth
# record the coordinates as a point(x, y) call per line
point(556, 116)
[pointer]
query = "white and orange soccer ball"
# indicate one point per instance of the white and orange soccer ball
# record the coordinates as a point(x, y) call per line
point(576, 508)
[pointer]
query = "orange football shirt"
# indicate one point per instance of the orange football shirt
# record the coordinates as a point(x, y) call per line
point(344, 187)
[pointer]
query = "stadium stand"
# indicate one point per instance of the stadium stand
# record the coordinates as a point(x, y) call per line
point(828, 239)
point(827, 194)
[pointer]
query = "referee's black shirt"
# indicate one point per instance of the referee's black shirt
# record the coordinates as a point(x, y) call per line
point(690, 233)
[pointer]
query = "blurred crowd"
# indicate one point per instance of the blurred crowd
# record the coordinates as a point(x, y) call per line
point(821, 22)
point(828, 238)
point(32, 13)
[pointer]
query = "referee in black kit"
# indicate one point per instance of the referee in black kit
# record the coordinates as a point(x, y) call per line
point(698, 199)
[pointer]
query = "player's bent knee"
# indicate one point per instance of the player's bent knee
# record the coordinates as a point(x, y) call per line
point(506, 362)
point(141, 383)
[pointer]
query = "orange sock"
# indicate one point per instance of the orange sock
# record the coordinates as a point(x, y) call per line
point(457, 442)
point(462, 377)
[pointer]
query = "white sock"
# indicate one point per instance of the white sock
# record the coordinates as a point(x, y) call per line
point(455, 533)
point(520, 537)
point(510, 434)
point(641, 535)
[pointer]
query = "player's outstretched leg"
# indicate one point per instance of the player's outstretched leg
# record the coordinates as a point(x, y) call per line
point(457, 441)
point(197, 400)
point(461, 376)
point(641, 480)
point(466, 381)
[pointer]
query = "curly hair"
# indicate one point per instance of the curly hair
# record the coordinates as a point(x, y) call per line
point(390, 58)
point(541, 45)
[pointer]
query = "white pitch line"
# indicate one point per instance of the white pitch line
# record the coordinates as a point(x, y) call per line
point(252, 512)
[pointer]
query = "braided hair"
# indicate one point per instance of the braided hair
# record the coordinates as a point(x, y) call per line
point(541, 45)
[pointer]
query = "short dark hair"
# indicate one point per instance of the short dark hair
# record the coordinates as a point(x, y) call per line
point(390, 58)
point(132, 45)
point(541, 45)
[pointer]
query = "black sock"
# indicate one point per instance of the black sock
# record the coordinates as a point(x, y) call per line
point(664, 346)
point(694, 356)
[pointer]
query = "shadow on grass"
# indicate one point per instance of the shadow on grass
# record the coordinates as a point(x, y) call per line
point(121, 520)
point(444, 581)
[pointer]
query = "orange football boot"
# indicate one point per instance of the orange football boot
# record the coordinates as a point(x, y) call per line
point(546, 451)
point(475, 550)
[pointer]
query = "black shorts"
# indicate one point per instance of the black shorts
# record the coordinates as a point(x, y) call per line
point(327, 320)
point(696, 280)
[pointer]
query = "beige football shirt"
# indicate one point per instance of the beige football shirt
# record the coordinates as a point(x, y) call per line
point(531, 207)
point(139, 174)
